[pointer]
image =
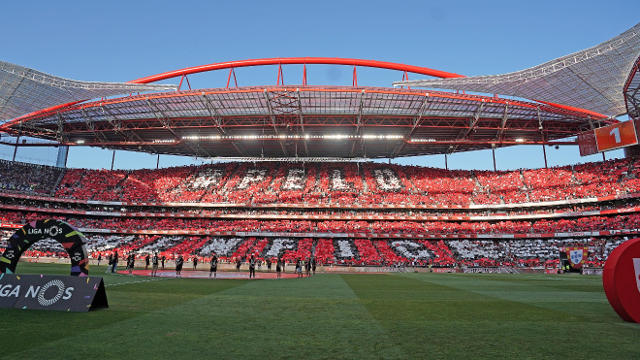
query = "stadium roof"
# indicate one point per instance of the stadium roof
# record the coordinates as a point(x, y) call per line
point(24, 90)
point(304, 121)
point(632, 91)
point(592, 78)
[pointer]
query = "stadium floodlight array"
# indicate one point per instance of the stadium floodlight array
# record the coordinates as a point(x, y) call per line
point(289, 137)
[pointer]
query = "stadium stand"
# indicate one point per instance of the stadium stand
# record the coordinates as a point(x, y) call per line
point(370, 214)
point(28, 178)
point(344, 184)
point(360, 252)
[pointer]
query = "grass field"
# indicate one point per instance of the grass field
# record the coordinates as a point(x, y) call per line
point(404, 315)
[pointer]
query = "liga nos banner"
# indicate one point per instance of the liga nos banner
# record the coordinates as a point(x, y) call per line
point(52, 292)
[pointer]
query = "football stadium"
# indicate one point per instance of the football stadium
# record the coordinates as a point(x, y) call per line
point(301, 234)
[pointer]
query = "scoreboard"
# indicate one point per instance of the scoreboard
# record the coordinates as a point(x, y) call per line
point(610, 137)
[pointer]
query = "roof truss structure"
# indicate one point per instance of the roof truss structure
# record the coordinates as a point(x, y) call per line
point(24, 90)
point(287, 121)
point(590, 79)
point(632, 91)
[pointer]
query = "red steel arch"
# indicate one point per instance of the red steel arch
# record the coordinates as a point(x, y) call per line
point(296, 61)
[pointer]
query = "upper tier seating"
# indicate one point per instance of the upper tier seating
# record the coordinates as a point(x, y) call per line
point(28, 178)
point(339, 184)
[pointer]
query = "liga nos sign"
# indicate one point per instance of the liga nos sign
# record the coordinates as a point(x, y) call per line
point(52, 292)
point(621, 280)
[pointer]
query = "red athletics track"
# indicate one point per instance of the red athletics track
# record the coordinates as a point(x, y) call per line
point(190, 274)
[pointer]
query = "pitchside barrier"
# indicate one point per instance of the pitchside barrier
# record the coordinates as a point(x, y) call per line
point(223, 266)
point(77, 292)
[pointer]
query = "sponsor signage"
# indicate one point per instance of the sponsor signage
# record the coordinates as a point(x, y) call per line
point(443, 270)
point(616, 136)
point(587, 143)
point(592, 271)
point(71, 239)
point(609, 137)
point(490, 270)
point(52, 292)
point(621, 280)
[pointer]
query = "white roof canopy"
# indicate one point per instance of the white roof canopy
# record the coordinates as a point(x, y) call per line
point(590, 79)
point(24, 90)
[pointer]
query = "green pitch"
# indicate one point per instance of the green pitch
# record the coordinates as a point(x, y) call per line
point(403, 316)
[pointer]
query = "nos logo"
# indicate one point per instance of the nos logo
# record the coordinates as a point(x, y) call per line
point(54, 231)
point(61, 293)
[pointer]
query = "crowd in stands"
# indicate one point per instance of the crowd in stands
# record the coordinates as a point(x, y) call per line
point(28, 178)
point(46, 206)
point(124, 225)
point(326, 183)
point(336, 184)
point(530, 252)
point(345, 252)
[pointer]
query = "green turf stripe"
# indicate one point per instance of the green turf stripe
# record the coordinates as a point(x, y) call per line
point(430, 316)
point(549, 292)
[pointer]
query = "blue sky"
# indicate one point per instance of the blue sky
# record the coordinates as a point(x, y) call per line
point(120, 41)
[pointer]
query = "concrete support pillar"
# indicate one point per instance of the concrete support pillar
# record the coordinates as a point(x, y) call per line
point(493, 152)
point(15, 149)
point(63, 155)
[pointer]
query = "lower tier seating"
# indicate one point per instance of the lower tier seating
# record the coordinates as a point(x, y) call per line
point(361, 252)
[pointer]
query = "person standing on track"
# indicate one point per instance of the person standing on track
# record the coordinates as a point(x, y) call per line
point(179, 264)
point(154, 264)
point(99, 259)
point(252, 267)
point(278, 268)
point(109, 263)
point(299, 268)
point(146, 262)
point(163, 259)
point(131, 262)
point(115, 261)
point(213, 266)
point(313, 265)
point(195, 263)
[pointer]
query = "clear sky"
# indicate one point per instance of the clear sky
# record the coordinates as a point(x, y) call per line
point(124, 40)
